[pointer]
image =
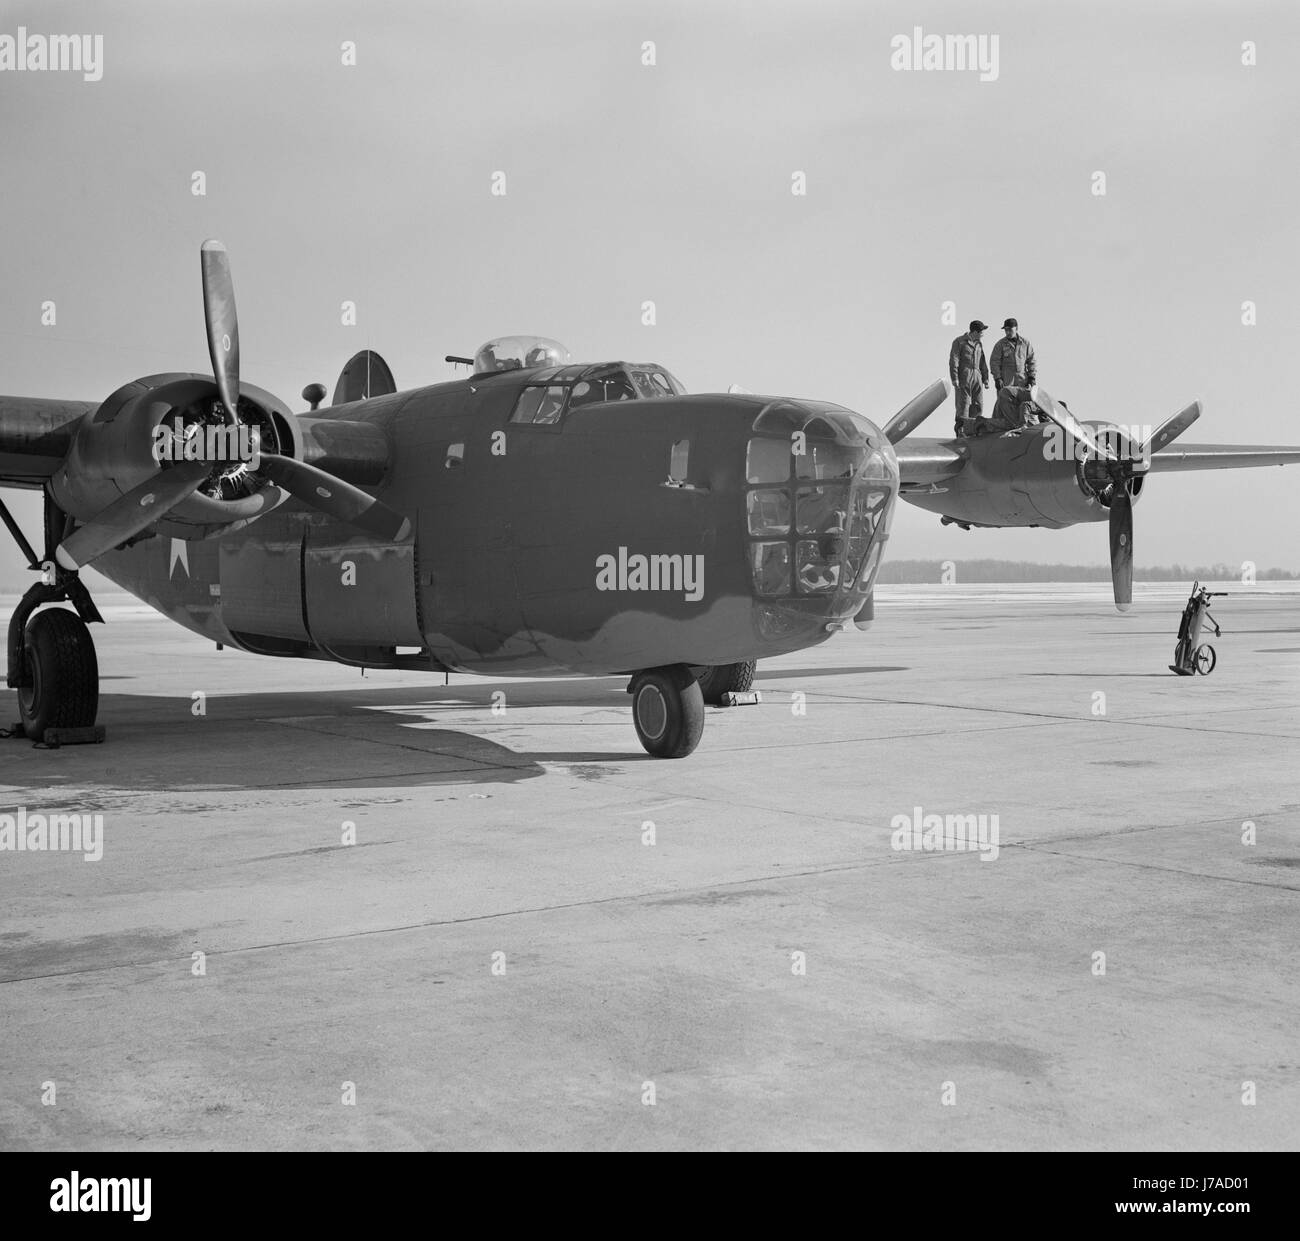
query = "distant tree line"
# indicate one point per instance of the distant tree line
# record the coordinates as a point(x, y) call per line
point(919, 572)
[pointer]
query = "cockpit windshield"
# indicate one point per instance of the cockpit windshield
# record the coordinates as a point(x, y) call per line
point(613, 386)
point(552, 392)
point(653, 381)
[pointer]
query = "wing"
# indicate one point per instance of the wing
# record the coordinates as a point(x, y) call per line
point(1223, 456)
point(35, 436)
point(922, 463)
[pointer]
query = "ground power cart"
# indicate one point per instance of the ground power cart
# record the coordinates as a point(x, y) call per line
point(1191, 655)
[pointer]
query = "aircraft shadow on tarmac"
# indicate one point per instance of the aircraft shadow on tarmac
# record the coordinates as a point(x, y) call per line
point(359, 738)
point(784, 674)
point(367, 737)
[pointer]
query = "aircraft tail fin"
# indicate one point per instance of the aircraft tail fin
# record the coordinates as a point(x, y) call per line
point(365, 375)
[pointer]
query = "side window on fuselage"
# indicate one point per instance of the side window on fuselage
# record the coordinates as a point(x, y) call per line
point(540, 406)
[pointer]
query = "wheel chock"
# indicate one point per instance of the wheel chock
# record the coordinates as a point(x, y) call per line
point(747, 698)
point(56, 737)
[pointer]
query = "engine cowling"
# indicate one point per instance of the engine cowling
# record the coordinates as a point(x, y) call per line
point(113, 451)
point(1060, 484)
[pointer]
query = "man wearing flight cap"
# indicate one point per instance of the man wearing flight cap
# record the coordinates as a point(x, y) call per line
point(1013, 360)
point(969, 373)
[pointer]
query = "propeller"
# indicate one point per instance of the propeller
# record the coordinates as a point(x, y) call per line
point(171, 485)
point(1120, 473)
point(1069, 423)
point(1171, 429)
point(1121, 547)
point(333, 496)
point(131, 513)
point(222, 323)
point(917, 410)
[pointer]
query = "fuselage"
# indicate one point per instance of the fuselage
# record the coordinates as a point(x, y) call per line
point(610, 537)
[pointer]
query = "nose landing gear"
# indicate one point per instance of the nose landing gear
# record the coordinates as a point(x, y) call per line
point(667, 710)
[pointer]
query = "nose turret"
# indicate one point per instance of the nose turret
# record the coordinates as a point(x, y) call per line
point(821, 483)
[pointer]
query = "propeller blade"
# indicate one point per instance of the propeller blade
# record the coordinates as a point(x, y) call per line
point(131, 513)
point(1068, 422)
point(917, 410)
point(1171, 429)
point(332, 495)
point(1121, 547)
point(222, 323)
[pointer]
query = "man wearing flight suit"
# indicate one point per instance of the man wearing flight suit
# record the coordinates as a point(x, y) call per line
point(969, 373)
point(1013, 360)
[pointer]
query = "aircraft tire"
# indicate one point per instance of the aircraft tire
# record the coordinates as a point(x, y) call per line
point(727, 678)
point(60, 655)
point(667, 711)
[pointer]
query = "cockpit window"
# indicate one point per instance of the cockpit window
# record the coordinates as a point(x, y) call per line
point(612, 387)
point(653, 383)
point(552, 391)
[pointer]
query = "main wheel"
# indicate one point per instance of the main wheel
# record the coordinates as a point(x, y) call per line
point(668, 711)
point(62, 671)
point(727, 678)
point(1205, 659)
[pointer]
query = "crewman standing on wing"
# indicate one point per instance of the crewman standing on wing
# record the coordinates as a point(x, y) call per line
point(969, 373)
point(1013, 360)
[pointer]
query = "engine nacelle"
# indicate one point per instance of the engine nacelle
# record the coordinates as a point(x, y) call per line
point(113, 451)
point(1031, 479)
point(1062, 483)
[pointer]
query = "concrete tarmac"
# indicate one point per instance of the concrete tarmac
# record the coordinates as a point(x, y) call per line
point(502, 961)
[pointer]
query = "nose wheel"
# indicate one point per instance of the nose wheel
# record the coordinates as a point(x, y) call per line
point(667, 710)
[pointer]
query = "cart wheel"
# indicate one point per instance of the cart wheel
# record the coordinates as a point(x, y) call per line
point(1205, 659)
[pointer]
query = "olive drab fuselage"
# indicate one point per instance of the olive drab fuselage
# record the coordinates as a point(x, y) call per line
point(627, 534)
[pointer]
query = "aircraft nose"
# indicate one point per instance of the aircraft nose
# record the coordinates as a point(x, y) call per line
point(816, 532)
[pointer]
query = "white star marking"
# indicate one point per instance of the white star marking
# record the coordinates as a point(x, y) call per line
point(180, 551)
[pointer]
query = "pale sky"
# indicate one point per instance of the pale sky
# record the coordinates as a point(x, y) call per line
point(671, 183)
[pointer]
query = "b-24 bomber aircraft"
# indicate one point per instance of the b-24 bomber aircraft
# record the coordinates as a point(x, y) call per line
point(540, 517)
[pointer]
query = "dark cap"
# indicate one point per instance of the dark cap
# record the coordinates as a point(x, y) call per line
point(978, 325)
point(1010, 323)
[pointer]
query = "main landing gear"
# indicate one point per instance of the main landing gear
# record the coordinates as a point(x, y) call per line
point(51, 656)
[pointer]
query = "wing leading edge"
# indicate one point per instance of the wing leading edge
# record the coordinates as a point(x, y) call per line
point(921, 463)
point(1223, 456)
point(35, 436)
